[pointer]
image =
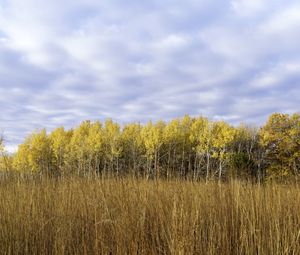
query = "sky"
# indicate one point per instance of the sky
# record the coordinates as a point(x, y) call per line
point(62, 62)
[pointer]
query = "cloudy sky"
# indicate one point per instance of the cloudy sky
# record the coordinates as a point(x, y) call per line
point(62, 62)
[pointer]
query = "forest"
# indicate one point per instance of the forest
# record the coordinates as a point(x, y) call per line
point(187, 186)
point(188, 147)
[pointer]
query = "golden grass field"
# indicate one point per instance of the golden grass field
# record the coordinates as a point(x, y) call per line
point(129, 216)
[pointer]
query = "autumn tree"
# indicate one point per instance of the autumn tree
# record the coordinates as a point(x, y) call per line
point(187, 147)
point(95, 145)
point(35, 154)
point(185, 144)
point(60, 139)
point(21, 158)
point(133, 147)
point(201, 141)
point(112, 144)
point(152, 135)
point(222, 137)
point(41, 155)
point(280, 137)
point(172, 138)
point(5, 159)
point(1, 143)
point(244, 160)
point(77, 150)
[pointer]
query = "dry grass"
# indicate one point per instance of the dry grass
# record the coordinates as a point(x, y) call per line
point(81, 216)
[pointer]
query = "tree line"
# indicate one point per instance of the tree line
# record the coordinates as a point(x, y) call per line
point(187, 147)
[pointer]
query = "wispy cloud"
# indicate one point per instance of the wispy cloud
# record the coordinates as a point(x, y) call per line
point(65, 61)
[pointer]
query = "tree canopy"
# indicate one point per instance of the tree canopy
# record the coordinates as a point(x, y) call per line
point(188, 147)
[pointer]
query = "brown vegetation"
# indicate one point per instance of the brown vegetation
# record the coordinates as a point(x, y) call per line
point(131, 216)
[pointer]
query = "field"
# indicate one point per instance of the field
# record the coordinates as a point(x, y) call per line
point(130, 216)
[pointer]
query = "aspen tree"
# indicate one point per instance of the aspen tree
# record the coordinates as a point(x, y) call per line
point(294, 134)
point(77, 149)
point(173, 139)
point(244, 161)
point(1, 144)
point(280, 139)
point(60, 139)
point(185, 130)
point(133, 146)
point(153, 140)
point(5, 159)
point(201, 140)
point(40, 152)
point(1, 153)
point(95, 144)
point(222, 136)
point(35, 154)
point(185, 147)
point(21, 158)
point(113, 143)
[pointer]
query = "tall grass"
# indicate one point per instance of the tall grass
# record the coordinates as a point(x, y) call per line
point(128, 216)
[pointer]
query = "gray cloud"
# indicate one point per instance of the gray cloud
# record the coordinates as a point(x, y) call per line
point(63, 62)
